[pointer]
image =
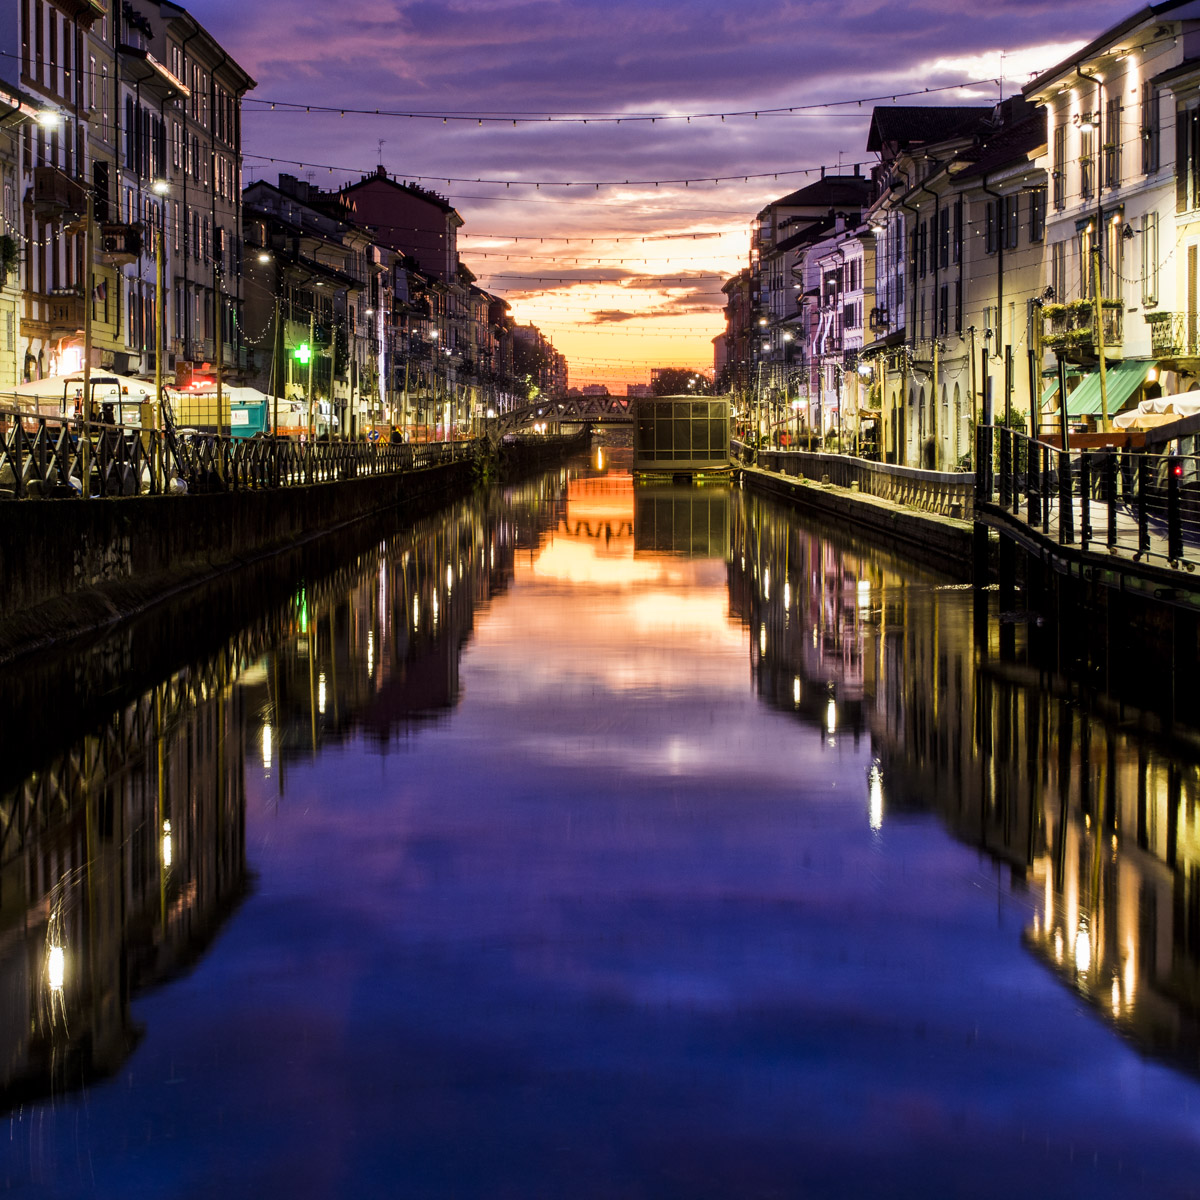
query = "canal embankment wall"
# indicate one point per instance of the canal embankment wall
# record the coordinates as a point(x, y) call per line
point(69, 567)
point(941, 542)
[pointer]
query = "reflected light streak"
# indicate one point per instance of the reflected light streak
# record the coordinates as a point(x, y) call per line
point(1058, 946)
point(370, 663)
point(875, 796)
point(762, 640)
point(56, 968)
point(266, 745)
point(831, 716)
point(321, 687)
point(1083, 952)
point(166, 845)
point(796, 690)
point(787, 595)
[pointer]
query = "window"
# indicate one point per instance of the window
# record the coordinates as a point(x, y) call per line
point(958, 229)
point(1187, 159)
point(922, 248)
point(1085, 261)
point(1086, 177)
point(1150, 259)
point(1114, 258)
point(943, 317)
point(958, 313)
point(1058, 271)
point(944, 238)
point(1011, 208)
point(990, 239)
point(1112, 143)
point(1037, 215)
point(1150, 129)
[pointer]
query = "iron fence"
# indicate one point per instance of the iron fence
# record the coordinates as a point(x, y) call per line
point(947, 493)
point(1135, 502)
point(45, 457)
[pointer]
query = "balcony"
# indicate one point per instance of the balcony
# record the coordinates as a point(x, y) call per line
point(56, 194)
point(119, 245)
point(1174, 335)
point(1070, 329)
point(63, 311)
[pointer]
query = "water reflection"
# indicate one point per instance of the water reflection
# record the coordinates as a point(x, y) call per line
point(1093, 817)
point(123, 842)
point(119, 859)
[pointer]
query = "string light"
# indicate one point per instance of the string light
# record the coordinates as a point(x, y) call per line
point(564, 183)
point(601, 118)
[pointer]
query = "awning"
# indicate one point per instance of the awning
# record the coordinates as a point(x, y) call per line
point(1122, 380)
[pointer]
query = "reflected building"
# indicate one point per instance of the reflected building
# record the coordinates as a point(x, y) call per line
point(1096, 821)
point(119, 859)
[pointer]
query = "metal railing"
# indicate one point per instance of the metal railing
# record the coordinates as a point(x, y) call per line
point(43, 457)
point(947, 493)
point(1134, 502)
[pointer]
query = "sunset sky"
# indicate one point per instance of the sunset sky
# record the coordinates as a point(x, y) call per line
point(626, 275)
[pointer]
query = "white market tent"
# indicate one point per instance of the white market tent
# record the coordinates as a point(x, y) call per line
point(1161, 410)
point(56, 395)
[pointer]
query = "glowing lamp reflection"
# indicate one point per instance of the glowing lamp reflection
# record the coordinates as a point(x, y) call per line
point(56, 968)
point(831, 716)
point(321, 693)
point(166, 844)
point(1083, 952)
point(266, 745)
point(875, 796)
point(762, 640)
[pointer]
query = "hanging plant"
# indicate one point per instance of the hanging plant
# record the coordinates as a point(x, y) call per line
point(8, 254)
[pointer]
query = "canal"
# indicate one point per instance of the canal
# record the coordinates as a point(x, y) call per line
point(590, 840)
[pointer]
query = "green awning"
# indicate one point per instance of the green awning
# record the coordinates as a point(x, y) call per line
point(1122, 379)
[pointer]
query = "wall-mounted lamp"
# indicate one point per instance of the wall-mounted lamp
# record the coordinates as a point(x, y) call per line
point(1085, 122)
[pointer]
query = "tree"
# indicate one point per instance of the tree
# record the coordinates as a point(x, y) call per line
point(678, 381)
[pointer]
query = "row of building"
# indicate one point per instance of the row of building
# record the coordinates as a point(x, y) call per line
point(356, 297)
point(992, 252)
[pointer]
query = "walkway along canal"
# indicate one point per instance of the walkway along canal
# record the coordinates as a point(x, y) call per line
point(586, 839)
point(68, 567)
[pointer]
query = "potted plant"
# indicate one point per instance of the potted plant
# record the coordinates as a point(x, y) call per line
point(1055, 315)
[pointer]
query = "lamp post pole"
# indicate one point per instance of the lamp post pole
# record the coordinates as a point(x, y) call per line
point(160, 319)
point(88, 274)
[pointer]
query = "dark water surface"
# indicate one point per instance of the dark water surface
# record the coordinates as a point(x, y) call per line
point(585, 841)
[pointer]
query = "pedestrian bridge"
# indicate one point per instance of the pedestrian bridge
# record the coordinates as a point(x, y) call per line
point(590, 409)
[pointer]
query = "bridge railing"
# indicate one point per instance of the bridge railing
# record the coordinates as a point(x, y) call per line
point(947, 493)
point(44, 457)
point(1132, 502)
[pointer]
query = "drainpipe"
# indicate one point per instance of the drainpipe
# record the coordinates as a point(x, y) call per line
point(187, 142)
point(999, 275)
point(937, 278)
point(911, 309)
point(1098, 299)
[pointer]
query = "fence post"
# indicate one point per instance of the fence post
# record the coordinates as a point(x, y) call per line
point(1033, 485)
point(1045, 465)
point(1085, 499)
point(1005, 465)
point(1174, 524)
point(1066, 506)
point(1143, 517)
point(1110, 487)
point(17, 430)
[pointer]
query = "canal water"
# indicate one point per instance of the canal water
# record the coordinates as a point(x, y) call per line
point(592, 840)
